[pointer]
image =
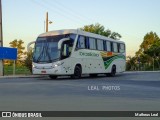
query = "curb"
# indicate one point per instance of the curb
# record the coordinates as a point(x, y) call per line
point(142, 72)
point(22, 76)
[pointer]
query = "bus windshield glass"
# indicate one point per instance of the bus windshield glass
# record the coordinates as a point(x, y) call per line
point(46, 49)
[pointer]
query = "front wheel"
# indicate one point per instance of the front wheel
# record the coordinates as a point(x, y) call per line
point(77, 73)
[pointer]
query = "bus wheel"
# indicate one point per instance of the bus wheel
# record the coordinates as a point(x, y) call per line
point(93, 75)
point(113, 72)
point(77, 73)
point(52, 76)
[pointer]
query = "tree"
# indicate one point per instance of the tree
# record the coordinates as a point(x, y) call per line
point(100, 29)
point(131, 63)
point(148, 40)
point(28, 60)
point(20, 50)
point(149, 49)
point(154, 52)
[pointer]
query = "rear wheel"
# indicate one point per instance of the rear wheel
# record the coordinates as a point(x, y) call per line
point(113, 71)
point(53, 76)
point(77, 73)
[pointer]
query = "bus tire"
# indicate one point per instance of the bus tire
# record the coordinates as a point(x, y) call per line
point(113, 72)
point(77, 72)
point(93, 75)
point(52, 76)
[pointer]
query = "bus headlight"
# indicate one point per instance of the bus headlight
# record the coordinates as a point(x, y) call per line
point(55, 65)
point(58, 64)
point(33, 66)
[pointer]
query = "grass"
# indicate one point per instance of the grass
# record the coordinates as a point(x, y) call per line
point(19, 70)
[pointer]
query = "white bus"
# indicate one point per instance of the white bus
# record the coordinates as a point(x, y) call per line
point(76, 52)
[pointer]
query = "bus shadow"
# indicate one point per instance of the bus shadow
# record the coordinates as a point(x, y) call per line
point(84, 77)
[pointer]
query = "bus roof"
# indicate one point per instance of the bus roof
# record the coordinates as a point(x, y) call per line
point(77, 31)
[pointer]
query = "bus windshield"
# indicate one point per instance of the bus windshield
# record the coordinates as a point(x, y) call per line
point(46, 49)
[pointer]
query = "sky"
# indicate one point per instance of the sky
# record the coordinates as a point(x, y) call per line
point(24, 19)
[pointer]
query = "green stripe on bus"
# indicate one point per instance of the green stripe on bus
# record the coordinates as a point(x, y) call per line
point(108, 62)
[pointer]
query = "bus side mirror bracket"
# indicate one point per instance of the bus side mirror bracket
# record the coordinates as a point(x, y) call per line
point(61, 42)
point(65, 50)
point(28, 46)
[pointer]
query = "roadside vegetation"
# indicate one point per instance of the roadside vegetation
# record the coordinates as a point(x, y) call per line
point(23, 62)
point(20, 70)
point(100, 29)
point(148, 56)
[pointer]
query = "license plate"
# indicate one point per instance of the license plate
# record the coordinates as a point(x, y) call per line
point(43, 72)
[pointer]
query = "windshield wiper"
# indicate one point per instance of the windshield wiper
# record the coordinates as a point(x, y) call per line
point(48, 52)
point(40, 55)
point(44, 50)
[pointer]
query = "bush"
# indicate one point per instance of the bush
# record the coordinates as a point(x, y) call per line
point(28, 61)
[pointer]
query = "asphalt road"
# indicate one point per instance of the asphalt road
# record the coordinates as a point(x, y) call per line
point(128, 91)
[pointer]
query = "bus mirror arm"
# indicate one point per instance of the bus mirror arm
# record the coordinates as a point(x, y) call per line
point(61, 42)
point(28, 46)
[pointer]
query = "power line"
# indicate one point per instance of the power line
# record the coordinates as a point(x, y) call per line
point(61, 14)
point(77, 13)
point(59, 10)
point(69, 11)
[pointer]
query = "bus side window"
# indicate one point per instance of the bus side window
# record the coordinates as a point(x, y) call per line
point(100, 44)
point(115, 47)
point(122, 48)
point(81, 42)
point(108, 45)
point(92, 43)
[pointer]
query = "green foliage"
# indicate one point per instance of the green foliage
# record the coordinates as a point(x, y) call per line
point(131, 63)
point(100, 29)
point(28, 60)
point(148, 53)
point(8, 70)
point(148, 41)
point(154, 50)
point(20, 49)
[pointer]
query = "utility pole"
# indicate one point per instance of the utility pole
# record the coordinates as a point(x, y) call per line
point(47, 22)
point(1, 39)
